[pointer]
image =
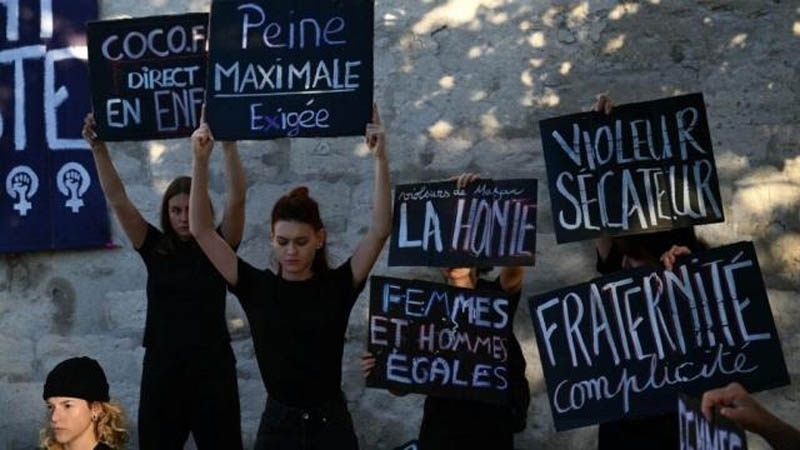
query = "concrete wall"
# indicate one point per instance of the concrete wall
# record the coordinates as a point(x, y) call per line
point(461, 84)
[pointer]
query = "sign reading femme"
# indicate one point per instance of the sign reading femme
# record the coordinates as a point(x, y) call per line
point(645, 167)
point(620, 346)
point(291, 68)
point(437, 339)
point(489, 222)
point(148, 76)
point(696, 432)
point(50, 197)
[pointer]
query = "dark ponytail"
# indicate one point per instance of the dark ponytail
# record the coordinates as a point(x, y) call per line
point(297, 206)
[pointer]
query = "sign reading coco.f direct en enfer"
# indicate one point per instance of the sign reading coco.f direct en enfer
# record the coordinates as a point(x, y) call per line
point(148, 76)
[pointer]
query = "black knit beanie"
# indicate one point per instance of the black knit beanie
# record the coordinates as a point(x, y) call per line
point(79, 378)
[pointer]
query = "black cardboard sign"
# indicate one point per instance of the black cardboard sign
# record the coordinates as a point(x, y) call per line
point(646, 167)
point(410, 445)
point(620, 346)
point(290, 68)
point(436, 339)
point(697, 433)
point(148, 76)
point(490, 222)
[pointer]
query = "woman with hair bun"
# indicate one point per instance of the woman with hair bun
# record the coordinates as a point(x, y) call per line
point(298, 314)
point(81, 415)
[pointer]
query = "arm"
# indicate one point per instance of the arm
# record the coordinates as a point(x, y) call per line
point(736, 404)
point(511, 279)
point(603, 246)
point(233, 218)
point(370, 247)
point(604, 104)
point(132, 222)
point(670, 256)
point(201, 222)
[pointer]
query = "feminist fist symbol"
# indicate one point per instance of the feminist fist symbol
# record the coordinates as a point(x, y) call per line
point(73, 181)
point(22, 184)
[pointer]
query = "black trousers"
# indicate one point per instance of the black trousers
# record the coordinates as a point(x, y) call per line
point(328, 426)
point(190, 391)
point(453, 424)
point(653, 433)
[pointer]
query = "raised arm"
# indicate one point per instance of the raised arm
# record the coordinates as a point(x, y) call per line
point(603, 104)
point(233, 218)
point(201, 221)
point(735, 403)
point(132, 222)
point(370, 247)
point(511, 278)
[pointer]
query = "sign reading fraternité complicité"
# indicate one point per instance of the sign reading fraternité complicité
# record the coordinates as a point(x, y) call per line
point(622, 345)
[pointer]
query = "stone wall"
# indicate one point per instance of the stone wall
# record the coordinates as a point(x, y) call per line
point(461, 84)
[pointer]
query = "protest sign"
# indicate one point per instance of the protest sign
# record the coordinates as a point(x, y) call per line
point(697, 433)
point(489, 222)
point(50, 196)
point(436, 339)
point(621, 345)
point(411, 445)
point(291, 68)
point(148, 76)
point(646, 167)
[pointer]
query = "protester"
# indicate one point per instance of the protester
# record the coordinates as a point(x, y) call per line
point(81, 415)
point(628, 252)
point(298, 314)
point(189, 375)
point(449, 423)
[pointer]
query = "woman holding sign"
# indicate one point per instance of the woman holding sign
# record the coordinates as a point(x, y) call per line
point(298, 314)
point(629, 252)
point(189, 375)
point(468, 424)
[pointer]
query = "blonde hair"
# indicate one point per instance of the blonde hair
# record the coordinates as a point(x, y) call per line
point(109, 428)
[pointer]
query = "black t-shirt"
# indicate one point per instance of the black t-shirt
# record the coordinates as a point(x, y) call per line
point(453, 412)
point(653, 432)
point(298, 330)
point(102, 446)
point(185, 297)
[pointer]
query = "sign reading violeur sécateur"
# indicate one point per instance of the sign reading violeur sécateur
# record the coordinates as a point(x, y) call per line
point(646, 167)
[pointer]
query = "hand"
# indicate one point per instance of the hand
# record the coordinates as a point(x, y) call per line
point(465, 179)
point(375, 134)
point(603, 104)
point(669, 256)
point(367, 363)
point(202, 140)
point(88, 132)
point(736, 404)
